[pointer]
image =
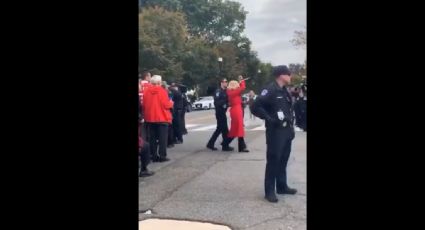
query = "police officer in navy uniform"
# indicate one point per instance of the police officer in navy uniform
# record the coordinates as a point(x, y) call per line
point(275, 106)
point(221, 105)
point(177, 97)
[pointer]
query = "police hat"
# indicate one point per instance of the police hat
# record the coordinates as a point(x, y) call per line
point(281, 70)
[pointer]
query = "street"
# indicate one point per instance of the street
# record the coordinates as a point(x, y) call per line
point(222, 187)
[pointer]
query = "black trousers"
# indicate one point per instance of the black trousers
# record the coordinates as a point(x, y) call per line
point(183, 122)
point(221, 129)
point(145, 156)
point(177, 115)
point(303, 121)
point(279, 143)
point(241, 143)
point(145, 131)
point(158, 139)
point(171, 139)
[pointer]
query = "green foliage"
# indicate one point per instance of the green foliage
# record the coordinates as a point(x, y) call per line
point(200, 64)
point(298, 71)
point(183, 39)
point(212, 20)
point(162, 41)
point(170, 5)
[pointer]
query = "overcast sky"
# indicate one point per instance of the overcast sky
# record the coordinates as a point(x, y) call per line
point(270, 25)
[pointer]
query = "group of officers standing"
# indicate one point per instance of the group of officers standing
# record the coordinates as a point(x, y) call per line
point(277, 104)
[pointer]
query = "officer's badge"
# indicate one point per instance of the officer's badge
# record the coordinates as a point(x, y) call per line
point(217, 94)
point(264, 92)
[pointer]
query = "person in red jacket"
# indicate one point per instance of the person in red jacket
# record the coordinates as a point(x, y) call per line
point(234, 92)
point(156, 109)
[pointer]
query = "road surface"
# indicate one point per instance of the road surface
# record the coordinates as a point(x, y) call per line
point(222, 187)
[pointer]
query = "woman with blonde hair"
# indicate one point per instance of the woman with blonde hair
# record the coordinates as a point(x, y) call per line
point(234, 94)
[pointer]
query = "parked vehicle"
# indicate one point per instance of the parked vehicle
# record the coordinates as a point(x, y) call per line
point(204, 103)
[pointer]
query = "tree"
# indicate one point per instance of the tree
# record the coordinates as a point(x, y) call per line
point(170, 5)
point(231, 66)
point(213, 20)
point(200, 65)
point(300, 39)
point(299, 70)
point(182, 40)
point(162, 40)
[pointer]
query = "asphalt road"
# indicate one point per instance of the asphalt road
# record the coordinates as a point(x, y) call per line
point(222, 187)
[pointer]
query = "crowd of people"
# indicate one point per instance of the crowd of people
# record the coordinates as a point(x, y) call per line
point(162, 109)
point(162, 124)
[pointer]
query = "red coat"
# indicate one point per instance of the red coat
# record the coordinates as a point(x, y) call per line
point(236, 115)
point(156, 105)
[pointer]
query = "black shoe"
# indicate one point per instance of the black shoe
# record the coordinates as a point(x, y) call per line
point(146, 173)
point(163, 159)
point(212, 148)
point(244, 151)
point(170, 146)
point(227, 149)
point(155, 159)
point(288, 190)
point(272, 198)
point(178, 142)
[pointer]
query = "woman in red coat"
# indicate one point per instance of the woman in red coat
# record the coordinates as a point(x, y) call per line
point(234, 95)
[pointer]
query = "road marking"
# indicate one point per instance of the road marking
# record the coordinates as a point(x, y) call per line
point(261, 127)
point(209, 116)
point(198, 127)
point(204, 128)
point(191, 125)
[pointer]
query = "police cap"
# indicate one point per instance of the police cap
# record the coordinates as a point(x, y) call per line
point(281, 70)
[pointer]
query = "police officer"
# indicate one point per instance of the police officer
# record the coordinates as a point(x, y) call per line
point(274, 105)
point(183, 89)
point(177, 113)
point(220, 104)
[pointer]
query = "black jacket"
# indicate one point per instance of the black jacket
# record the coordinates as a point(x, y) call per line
point(177, 99)
point(300, 108)
point(271, 100)
point(220, 101)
